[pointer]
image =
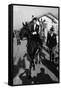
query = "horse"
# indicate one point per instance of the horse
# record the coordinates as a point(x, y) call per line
point(33, 44)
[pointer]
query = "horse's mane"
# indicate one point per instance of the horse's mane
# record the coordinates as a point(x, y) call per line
point(25, 30)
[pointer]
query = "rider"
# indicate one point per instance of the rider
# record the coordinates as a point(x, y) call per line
point(35, 34)
point(35, 31)
point(35, 27)
point(51, 41)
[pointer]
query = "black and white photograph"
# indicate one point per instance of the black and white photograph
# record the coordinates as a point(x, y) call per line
point(35, 44)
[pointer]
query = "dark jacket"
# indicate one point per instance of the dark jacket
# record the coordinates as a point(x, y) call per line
point(51, 40)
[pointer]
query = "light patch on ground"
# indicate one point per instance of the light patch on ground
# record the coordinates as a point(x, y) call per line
point(17, 81)
point(19, 50)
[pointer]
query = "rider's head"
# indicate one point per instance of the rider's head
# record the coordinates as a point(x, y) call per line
point(35, 20)
point(52, 29)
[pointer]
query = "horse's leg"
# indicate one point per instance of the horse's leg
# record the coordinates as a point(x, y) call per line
point(29, 73)
point(36, 60)
point(40, 55)
point(31, 50)
point(32, 64)
point(33, 60)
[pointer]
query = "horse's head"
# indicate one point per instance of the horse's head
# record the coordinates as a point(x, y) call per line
point(24, 32)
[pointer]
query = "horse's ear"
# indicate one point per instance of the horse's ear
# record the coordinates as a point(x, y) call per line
point(23, 23)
